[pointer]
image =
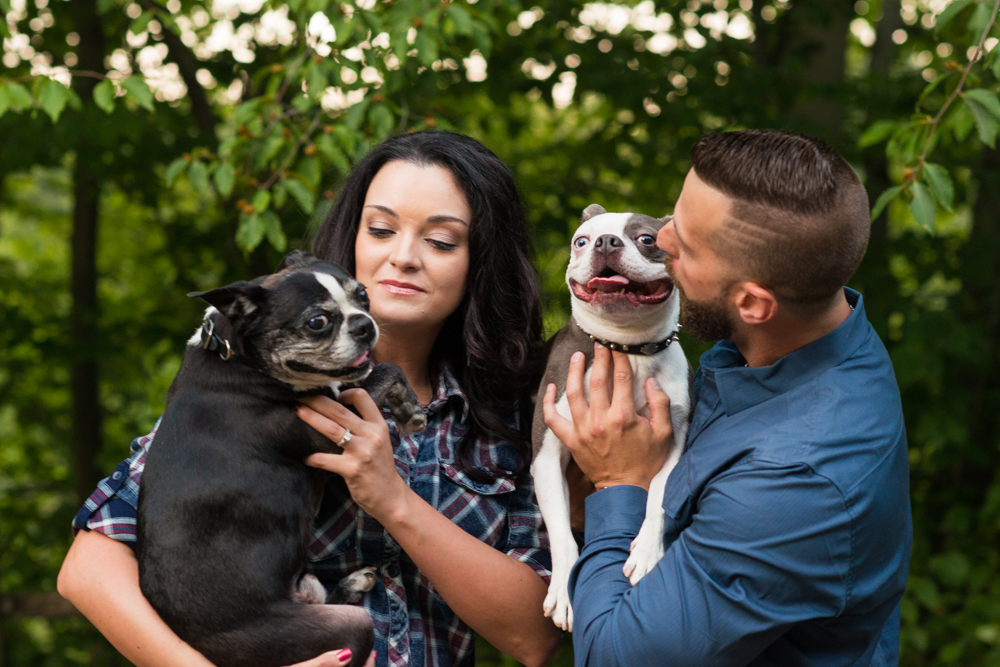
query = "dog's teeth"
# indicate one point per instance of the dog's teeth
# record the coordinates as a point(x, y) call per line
point(622, 291)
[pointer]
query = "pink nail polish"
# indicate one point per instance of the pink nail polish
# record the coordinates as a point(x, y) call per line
point(344, 655)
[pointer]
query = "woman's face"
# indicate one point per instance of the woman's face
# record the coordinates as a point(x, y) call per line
point(412, 249)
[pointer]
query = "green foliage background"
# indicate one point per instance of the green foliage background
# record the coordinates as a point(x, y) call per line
point(215, 182)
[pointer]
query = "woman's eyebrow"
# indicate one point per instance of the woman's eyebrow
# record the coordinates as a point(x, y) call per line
point(446, 218)
point(384, 209)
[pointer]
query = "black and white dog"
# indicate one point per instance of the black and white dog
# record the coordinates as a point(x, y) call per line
point(622, 298)
point(226, 502)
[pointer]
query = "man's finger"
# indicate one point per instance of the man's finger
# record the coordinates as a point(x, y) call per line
point(659, 409)
point(561, 427)
point(624, 398)
point(600, 372)
point(578, 406)
point(362, 401)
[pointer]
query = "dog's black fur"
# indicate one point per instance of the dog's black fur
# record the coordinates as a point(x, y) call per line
point(226, 502)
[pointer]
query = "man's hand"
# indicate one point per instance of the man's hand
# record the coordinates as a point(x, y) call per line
point(610, 442)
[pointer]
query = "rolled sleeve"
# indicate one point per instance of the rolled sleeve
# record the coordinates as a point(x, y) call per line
point(113, 506)
point(766, 548)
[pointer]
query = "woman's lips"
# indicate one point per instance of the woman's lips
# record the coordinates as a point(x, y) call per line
point(404, 289)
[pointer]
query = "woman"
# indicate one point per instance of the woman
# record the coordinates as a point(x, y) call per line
point(432, 224)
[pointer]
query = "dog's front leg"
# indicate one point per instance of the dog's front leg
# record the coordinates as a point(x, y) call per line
point(387, 385)
point(549, 472)
point(647, 547)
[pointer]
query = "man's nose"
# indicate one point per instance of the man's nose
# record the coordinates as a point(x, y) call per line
point(608, 243)
point(665, 238)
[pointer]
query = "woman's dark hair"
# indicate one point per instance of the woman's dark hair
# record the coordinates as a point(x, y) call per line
point(491, 340)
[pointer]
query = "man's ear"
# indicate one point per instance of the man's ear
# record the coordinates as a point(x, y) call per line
point(592, 211)
point(237, 302)
point(294, 258)
point(755, 304)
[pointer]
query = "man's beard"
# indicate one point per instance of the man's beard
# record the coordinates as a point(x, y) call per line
point(705, 320)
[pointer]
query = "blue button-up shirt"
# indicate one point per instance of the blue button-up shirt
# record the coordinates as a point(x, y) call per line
point(788, 527)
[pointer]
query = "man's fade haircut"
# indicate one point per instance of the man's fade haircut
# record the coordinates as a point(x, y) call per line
point(799, 221)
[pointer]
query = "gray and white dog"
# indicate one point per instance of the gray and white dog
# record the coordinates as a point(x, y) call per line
point(622, 298)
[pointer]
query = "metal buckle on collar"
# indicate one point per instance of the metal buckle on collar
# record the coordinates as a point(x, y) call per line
point(214, 342)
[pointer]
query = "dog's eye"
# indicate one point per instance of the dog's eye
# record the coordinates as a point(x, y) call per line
point(647, 239)
point(318, 322)
point(580, 242)
point(363, 297)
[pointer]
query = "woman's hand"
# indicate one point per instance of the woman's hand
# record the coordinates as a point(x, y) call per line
point(367, 464)
point(610, 442)
point(334, 659)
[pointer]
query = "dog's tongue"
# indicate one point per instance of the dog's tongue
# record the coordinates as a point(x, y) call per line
point(360, 360)
point(609, 284)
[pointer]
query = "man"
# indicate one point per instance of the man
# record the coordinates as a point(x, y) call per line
point(788, 521)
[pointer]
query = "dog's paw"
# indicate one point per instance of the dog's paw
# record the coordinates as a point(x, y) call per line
point(556, 605)
point(416, 423)
point(309, 591)
point(406, 409)
point(647, 550)
point(352, 588)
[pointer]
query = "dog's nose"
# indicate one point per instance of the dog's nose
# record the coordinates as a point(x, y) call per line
point(361, 328)
point(608, 243)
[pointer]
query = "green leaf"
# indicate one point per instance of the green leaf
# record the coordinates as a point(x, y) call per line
point(52, 97)
point(175, 169)
point(961, 122)
point(4, 99)
point(272, 227)
point(104, 96)
point(996, 62)
point(310, 170)
point(20, 98)
point(987, 98)
point(140, 24)
point(250, 233)
point(949, 13)
point(356, 114)
point(302, 195)
point(137, 90)
point(883, 200)
point(427, 48)
point(279, 195)
point(225, 179)
point(463, 20)
point(985, 122)
point(4, 28)
point(198, 175)
point(940, 181)
point(332, 153)
point(922, 207)
point(317, 82)
point(5, 6)
point(877, 133)
point(980, 18)
point(261, 201)
point(246, 111)
point(104, 5)
point(382, 120)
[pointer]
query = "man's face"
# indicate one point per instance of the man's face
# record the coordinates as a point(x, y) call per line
point(702, 277)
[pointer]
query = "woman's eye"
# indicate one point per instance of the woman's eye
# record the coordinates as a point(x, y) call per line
point(580, 242)
point(647, 239)
point(318, 322)
point(442, 245)
point(379, 232)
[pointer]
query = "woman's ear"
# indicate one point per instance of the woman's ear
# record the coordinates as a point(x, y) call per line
point(755, 304)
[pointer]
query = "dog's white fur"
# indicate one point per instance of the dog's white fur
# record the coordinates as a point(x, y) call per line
point(646, 323)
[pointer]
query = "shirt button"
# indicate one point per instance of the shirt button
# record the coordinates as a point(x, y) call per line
point(393, 571)
point(117, 475)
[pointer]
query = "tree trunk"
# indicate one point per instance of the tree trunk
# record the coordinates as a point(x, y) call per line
point(84, 373)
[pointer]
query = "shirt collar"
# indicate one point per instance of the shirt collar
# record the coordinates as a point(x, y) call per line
point(742, 387)
point(447, 388)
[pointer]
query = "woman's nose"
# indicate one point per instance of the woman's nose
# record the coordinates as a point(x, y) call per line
point(405, 253)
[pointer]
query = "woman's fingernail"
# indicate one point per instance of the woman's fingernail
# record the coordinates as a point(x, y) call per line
point(577, 357)
point(344, 655)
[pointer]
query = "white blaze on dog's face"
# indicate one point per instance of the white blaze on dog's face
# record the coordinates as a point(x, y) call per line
point(616, 275)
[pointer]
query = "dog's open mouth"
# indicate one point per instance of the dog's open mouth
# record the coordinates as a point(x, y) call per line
point(609, 287)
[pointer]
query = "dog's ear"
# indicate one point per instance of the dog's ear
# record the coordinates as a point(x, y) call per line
point(238, 302)
point(592, 211)
point(295, 258)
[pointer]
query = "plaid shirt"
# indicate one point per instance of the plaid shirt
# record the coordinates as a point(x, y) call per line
point(413, 624)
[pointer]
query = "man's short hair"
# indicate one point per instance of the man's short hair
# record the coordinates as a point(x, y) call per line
point(799, 222)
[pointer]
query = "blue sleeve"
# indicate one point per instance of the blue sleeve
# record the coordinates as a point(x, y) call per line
point(767, 547)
